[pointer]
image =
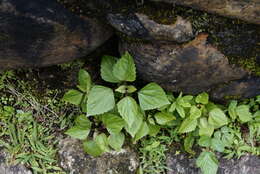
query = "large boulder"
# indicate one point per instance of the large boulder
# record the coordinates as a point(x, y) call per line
point(40, 33)
point(191, 68)
point(75, 161)
point(191, 51)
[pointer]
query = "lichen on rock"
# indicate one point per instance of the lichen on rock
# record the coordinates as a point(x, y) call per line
point(74, 160)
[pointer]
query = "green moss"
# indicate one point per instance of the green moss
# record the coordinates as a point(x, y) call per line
point(249, 64)
point(232, 97)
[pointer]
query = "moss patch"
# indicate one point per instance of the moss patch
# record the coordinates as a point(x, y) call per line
point(249, 64)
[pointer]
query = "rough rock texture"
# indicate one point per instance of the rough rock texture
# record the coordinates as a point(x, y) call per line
point(182, 164)
point(192, 68)
point(180, 59)
point(40, 33)
point(75, 161)
point(246, 10)
point(141, 27)
point(11, 169)
point(244, 88)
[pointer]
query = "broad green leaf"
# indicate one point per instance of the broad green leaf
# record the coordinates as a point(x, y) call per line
point(217, 144)
point(113, 123)
point(202, 98)
point(180, 111)
point(124, 69)
point(243, 113)
point(188, 125)
point(232, 109)
point(184, 102)
point(188, 143)
point(126, 89)
point(78, 132)
point(217, 118)
point(102, 142)
point(133, 129)
point(143, 131)
point(187, 98)
point(107, 65)
point(163, 118)
point(100, 100)
point(228, 139)
point(210, 106)
point(73, 97)
point(154, 129)
point(116, 141)
point(205, 129)
point(92, 148)
point(128, 109)
point(83, 122)
point(84, 80)
point(152, 96)
point(204, 141)
point(207, 162)
point(195, 112)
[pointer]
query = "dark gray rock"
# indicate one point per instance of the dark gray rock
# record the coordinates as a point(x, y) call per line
point(183, 164)
point(190, 53)
point(245, 88)
point(11, 168)
point(40, 33)
point(141, 27)
point(75, 161)
point(191, 68)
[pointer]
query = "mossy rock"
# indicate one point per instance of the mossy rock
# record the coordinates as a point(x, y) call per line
point(219, 50)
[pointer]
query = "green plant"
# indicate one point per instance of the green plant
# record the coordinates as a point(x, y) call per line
point(110, 115)
point(115, 110)
point(153, 149)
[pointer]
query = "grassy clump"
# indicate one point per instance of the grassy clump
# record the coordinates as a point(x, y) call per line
point(32, 120)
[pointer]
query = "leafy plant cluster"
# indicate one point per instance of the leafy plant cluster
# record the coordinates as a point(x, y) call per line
point(111, 115)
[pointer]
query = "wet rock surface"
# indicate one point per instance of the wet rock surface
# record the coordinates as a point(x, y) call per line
point(41, 33)
point(75, 161)
point(184, 164)
point(11, 168)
